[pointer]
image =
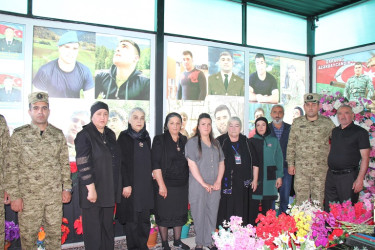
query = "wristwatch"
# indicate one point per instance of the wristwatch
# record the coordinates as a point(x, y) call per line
point(67, 189)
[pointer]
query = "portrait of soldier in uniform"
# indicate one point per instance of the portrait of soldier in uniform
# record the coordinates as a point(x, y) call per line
point(359, 85)
point(225, 82)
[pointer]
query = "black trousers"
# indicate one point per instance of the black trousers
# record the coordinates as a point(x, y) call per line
point(98, 228)
point(338, 188)
point(254, 209)
point(137, 232)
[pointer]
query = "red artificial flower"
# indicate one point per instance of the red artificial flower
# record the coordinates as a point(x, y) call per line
point(73, 167)
point(65, 230)
point(65, 220)
point(78, 225)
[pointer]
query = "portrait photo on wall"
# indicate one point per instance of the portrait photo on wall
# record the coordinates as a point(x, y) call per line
point(264, 80)
point(353, 75)
point(122, 68)
point(292, 85)
point(11, 40)
point(220, 108)
point(187, 71)
point(71, 116)
point(10, 88)
point(226, 69)
point(63, 62)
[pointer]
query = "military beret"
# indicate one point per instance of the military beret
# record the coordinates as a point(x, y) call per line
point(68, 37)
point(38, 97)
point(311, 97)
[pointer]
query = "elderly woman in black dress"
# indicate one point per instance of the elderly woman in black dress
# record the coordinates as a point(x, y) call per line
point(98, 163)
point(137, 193)
point(171, 172)
point(236, 186)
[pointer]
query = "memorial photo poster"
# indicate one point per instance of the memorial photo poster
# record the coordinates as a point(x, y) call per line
point(12, 72)
point(76, 68)
point(334, 72)
point(85, 67)
point(204, 79)
point(275, 80)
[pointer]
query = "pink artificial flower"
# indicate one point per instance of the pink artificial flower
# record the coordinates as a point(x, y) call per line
point(368, 122)
point(358, 117)
point(352, 104)
point(372, 153)
point(327, 106)
point(372, 173)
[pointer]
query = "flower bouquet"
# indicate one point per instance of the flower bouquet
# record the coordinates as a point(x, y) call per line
point(12, 232)
point(153, 232)
point(237, 236)
point(186, 228)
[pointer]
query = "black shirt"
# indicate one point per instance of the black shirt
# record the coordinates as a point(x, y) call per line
point(346, 145)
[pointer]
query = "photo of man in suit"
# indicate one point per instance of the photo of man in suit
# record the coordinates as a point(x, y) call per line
point(226, 82)
point(8, 43)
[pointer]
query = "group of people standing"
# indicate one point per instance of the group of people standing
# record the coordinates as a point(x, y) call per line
point(127, 178)
point(219, 177)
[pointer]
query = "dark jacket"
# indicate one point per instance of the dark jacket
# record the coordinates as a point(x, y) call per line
point(98, 162)
point(248, 158)
point(283, 139)
point(125, 209)
point(174, 166)
point(136, 87)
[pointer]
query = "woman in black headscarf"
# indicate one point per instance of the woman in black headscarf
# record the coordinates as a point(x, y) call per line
point(270, 173)
point(171, 172)
point(137, 191)
point(98, 162)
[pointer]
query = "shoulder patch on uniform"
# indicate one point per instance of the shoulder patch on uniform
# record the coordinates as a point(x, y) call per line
point(22, 127)
point(54, 128)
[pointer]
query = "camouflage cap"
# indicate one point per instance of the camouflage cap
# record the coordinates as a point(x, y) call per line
point(311, 97)
point(38, 97)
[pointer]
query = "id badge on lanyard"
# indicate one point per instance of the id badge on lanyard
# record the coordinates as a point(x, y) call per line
point(237, 156)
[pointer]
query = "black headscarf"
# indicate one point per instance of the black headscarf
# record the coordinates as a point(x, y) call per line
point(268, 131)
point(142, 135)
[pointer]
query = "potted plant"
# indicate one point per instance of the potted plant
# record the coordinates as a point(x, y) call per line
point(186, 227)
point(152, 238)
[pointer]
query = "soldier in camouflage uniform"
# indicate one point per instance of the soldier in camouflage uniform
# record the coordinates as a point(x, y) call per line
point(37, 175)
point(307, 151)
point(357, 85)
point(4, 138)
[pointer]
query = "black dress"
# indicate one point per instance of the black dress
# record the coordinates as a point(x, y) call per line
point(169, 156)
point(236, 184)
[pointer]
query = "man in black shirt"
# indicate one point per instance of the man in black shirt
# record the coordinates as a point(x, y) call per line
point(350, 146)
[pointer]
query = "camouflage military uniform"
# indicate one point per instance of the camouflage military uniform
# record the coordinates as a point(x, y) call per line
point(308, 148)
point(4, 138)
point(37, 170)
point(356, 87)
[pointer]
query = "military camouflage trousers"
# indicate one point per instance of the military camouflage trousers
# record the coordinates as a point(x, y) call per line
point(309, 183)
point(37, 213)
